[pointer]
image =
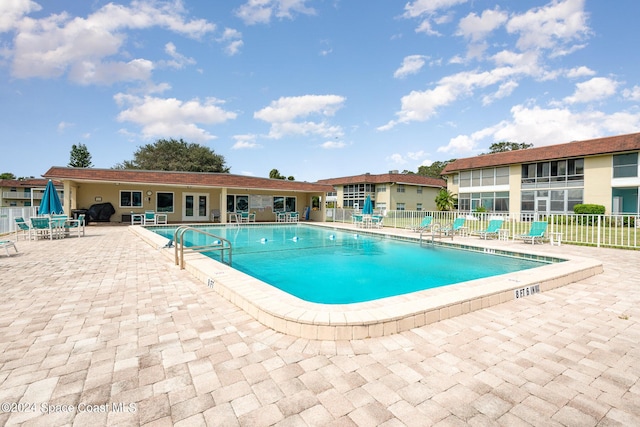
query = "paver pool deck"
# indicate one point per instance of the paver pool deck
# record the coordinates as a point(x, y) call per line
point(103, 330)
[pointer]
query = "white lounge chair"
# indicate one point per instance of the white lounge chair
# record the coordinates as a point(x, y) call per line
point(6, 244)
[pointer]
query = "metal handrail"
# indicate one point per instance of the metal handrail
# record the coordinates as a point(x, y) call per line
point(178, 238)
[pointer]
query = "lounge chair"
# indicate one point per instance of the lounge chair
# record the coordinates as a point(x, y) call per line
point(377, 221)
point(6, 244)
point(358, 220)
point(492, 229)
point(215, 215)
point(149, 218)
point(424, 225)
point(294, 216)
point(536, 232)
point(41, 227)
point(76, 225)
point(22, 227)
point(456, 227)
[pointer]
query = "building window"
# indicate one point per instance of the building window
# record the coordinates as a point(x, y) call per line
point(381, 188)
point(491, 201)
point(502, 176)
point(356, 193)
point(419, 190)
point(164, 202)
point(419, 206)
point(238, 203)
point(553, 174)
point(456, 179)
point(465, 179)
point(625, 165)
point(400, 188)
point(400, 206)
point(130, 199)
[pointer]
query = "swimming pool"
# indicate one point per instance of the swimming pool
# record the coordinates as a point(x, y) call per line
point(337, 267)
point(285, 313)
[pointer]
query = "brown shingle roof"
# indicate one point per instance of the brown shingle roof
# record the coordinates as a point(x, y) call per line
point(399, 178)
point(183, 178)
point(592, 147)
point(27, 183)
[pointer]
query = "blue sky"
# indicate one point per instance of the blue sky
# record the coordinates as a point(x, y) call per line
point(315, 89)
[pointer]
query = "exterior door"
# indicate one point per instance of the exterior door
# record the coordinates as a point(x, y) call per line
point(542, 203)
point(195, 207)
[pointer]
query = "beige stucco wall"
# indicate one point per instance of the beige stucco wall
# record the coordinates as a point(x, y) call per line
point(597, 181)
point(515, 186)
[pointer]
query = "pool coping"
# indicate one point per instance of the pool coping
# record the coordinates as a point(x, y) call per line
point(288, 314)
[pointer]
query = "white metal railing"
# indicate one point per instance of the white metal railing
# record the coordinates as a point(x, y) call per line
point(8, 216)
point(620, 231)
point(21, 195)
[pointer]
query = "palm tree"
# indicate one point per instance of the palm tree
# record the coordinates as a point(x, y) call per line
point(446, 200)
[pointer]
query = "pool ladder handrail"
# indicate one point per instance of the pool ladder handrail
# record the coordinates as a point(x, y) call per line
point(178, 238)
point(436, 227)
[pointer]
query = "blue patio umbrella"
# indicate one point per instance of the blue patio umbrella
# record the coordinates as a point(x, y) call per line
point(367, 209)
point(50, 203)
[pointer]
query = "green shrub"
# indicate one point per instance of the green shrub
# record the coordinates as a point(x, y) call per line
point(589, 209)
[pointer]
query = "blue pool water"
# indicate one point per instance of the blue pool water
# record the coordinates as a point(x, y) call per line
point(339, 267)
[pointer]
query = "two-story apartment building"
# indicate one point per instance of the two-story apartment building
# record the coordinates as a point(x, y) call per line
point(389, 191)
point(24, 193)
point(551, 179)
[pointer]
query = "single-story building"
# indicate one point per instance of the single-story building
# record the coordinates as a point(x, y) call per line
point(388, 191)
point(551, 179)
point(186, 196)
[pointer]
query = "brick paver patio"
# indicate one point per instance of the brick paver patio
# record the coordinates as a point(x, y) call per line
point(102, 330)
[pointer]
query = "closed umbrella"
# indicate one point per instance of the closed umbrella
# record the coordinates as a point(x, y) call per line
point(367, 209)
point(50, 203)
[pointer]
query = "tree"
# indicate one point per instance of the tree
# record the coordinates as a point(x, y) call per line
point(7, 175)
point(275, 174)
point(172, 155)
point(80, 157)
point(445, 200)
point(501, 147)
point(435, 170)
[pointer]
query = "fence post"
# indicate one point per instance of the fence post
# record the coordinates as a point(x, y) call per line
point(599, 230)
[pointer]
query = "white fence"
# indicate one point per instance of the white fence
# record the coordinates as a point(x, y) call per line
point(8, 216)
point(620, 231)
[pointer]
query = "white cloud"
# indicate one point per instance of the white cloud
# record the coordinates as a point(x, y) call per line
point(170, 117)
point(62, 126)
point(261, 11)
point(429, 11)
point(284, 113)
point(245, 142)
point(632, 94)
point(233, 39)
point(544, 126)
point(592, 90)
point(476, 28)
point(12, 12)
point(178, 60)
point(397, 159)
point(422, 105)
point(580, 72)
point(330, 145)
point(411, 64)
point(503, 91)
point(554, 26)
point(88, 49)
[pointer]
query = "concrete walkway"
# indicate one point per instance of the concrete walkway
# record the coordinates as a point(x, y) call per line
point(102, 330)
